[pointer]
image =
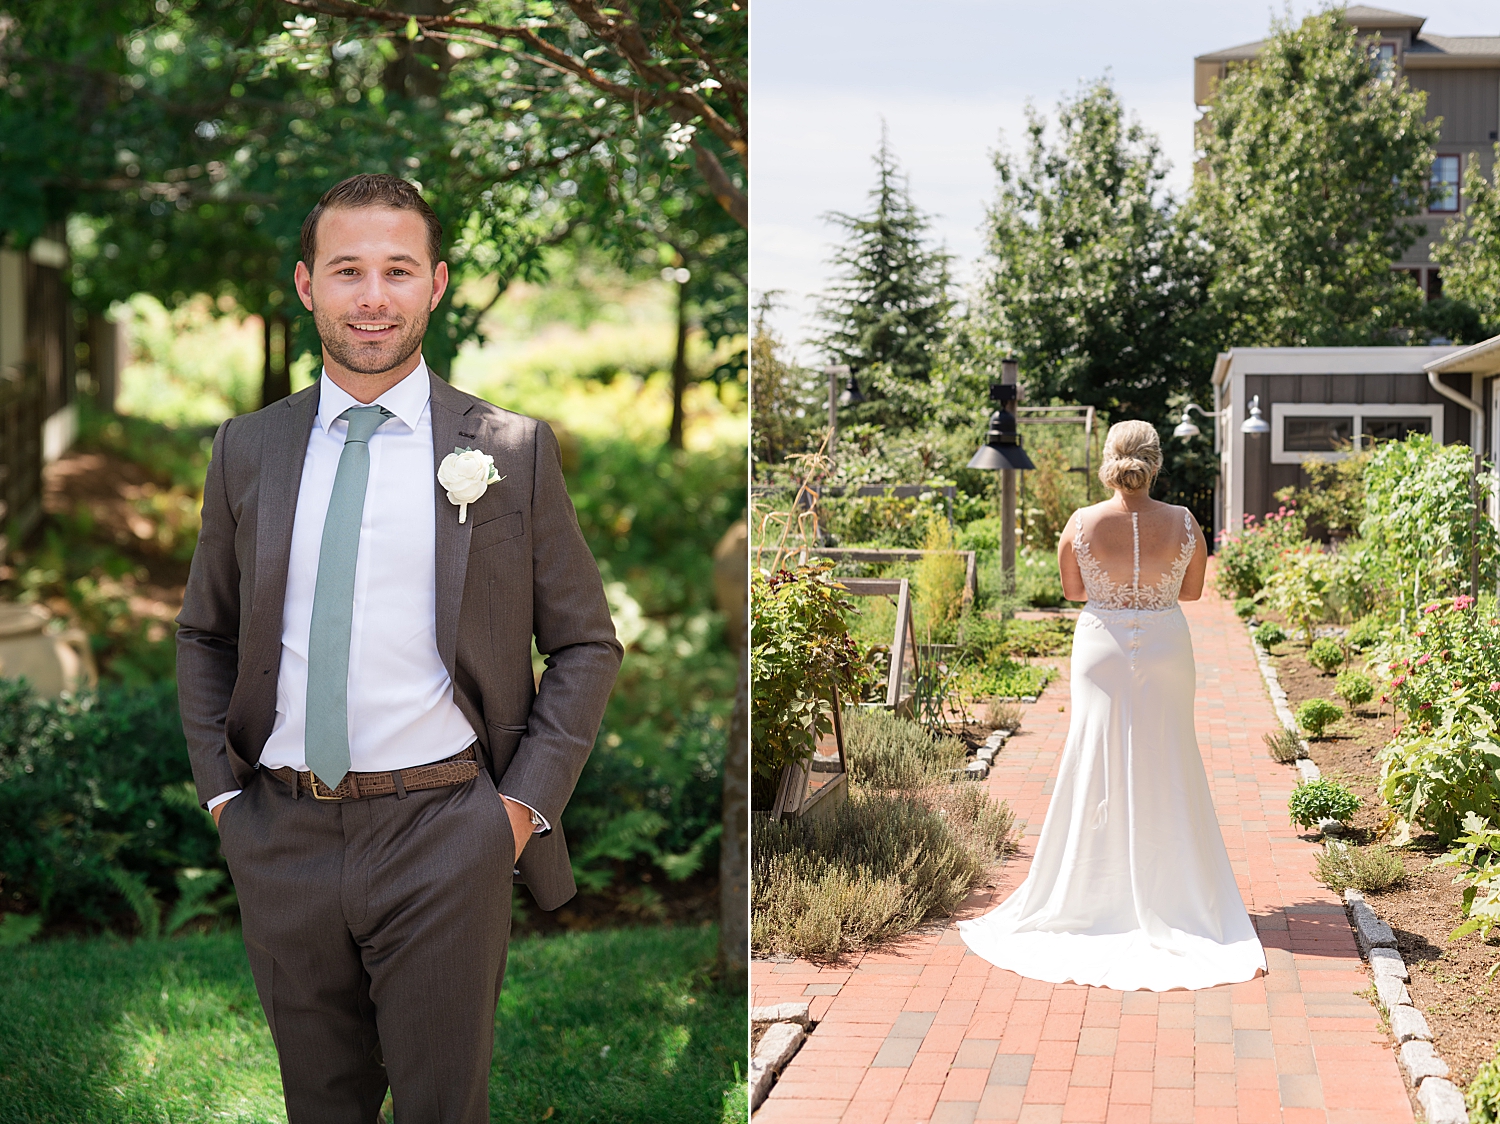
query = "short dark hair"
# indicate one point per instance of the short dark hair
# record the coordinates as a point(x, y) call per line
point(372, 190)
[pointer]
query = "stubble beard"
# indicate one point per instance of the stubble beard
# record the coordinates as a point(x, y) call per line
point(372, 358)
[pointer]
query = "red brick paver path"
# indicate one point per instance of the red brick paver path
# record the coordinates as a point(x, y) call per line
point(930, 1032)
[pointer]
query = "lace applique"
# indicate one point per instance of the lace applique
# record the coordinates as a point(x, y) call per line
point(1106, 593)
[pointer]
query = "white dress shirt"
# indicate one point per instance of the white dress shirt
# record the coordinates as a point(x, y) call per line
point(400, 700)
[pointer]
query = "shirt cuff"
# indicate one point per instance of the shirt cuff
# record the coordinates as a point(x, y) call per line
point(539, 824)
point(223, 798)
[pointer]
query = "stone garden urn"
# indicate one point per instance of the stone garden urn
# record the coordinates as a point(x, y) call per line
point(51, 660)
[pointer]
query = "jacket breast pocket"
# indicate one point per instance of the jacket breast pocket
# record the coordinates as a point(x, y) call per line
point(493, 532)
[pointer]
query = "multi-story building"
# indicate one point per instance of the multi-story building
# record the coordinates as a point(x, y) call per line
point(1461, 76)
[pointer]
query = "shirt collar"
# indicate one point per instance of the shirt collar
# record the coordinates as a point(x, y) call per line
point(407, 399)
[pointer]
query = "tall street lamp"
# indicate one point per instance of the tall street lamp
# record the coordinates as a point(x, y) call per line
point(1002, 452)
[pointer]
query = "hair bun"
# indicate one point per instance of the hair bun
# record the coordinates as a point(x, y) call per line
point(1132, 456)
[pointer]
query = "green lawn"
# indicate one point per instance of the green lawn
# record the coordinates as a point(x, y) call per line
point(615, 1026)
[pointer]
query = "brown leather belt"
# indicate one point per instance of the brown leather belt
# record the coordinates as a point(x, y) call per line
point(459, 769)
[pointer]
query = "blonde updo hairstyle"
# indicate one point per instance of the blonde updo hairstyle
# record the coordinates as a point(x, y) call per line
point(1132, 456)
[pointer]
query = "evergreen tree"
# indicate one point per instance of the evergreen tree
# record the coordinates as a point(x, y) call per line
point(890, 306)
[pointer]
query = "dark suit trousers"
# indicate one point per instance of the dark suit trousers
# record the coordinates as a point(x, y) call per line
point(377, 932)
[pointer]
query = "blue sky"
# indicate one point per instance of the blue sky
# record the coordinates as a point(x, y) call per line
point(952, 79)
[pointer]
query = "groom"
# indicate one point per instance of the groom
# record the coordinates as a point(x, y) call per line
point(354, 668)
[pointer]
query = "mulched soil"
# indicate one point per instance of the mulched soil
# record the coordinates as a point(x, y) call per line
point(1450, 984)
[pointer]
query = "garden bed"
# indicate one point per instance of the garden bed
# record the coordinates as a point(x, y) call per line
point(1449, 981)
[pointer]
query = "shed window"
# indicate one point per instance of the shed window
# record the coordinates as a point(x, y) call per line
point(1317, 434)
point(1393, 429)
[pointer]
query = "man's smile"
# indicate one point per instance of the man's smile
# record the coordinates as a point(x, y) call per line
point(372, 328)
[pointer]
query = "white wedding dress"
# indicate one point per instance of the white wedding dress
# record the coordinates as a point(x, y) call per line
point(1131, 887)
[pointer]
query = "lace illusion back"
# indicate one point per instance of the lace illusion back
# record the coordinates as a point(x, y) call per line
point(1116, 583)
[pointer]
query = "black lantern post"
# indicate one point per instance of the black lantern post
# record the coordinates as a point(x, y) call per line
point(1002, 451)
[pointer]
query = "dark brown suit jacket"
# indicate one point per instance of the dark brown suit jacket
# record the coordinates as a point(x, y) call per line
point(518, 568)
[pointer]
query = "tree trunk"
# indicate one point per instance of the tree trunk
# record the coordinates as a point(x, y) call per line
point(679, 370)
point(734, 845)
point(276, 369)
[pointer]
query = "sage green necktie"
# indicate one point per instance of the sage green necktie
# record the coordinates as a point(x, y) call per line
point(327, 736)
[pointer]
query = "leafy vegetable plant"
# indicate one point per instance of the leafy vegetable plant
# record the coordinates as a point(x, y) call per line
point(1322, 799)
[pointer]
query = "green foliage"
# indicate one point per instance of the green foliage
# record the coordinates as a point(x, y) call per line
point(1333, 503)
point(1370, 870)
point(1469, 251)
point(875, 868)
point(800, 651)
point(1326, 654)
point(1268, 634)
point(1313, 159)
point(1244, 607)
point(1478, 852)
point(1314, 801)
point(1001, 677)
point(1365, 633)
point(1452, 665)
point(146, 1031)
point(890, 522)
point(1300, 589)
point(92, 810)
point(1436, 777)
point(887, 752)
point(1425, 521)
point(1355, 688)
point(786, 417)
point(1247, 558)
point(1091, 279)
point(1284, 746)
point(890, 304)
point(939, 582)
point(1316, 715)
point(1482, 1095)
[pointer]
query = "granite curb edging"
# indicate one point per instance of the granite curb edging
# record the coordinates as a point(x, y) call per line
point(1442, 1101)
point(791, 1023)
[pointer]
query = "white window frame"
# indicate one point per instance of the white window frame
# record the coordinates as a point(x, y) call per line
point(1280, 411)
point(1458, 183)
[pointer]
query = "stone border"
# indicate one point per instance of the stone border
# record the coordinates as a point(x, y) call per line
point(1442, 1101)
point(790, 1025)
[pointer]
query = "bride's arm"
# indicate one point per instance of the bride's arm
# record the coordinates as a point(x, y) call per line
point(1067, 565)
point(1192, 581)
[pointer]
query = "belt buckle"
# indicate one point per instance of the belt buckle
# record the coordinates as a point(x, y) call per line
point(331, 797)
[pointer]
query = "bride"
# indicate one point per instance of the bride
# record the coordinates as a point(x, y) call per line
point(1131, 887)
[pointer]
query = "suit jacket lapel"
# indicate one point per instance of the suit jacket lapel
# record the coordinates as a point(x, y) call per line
point(285, 449)
point(452, 547)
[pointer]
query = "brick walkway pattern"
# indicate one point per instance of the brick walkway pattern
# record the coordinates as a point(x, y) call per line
point(928, 1031)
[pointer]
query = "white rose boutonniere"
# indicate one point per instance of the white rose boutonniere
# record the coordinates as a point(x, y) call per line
point(467, 474)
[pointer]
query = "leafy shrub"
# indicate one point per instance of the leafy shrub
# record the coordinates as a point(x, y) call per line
point(800, 651)
point(1438, 777)
point(1371, 870)
point(1246, 558)
point(1002, 677)
point(1316, 715)
point(982, 535)
point(1483, 1092)
point(1284, 745)
point(1424, 523)
point(880, 521)
point(1244, 608)
point(645, 797)
point(1333, 503)
point(98, 815)
point(1299, 588)
point(875, 868)
point(1365, 633)
point(1354, 687)
point(1453, 663)
point(1478, 852)
point(888, 752)
point(1322, 799)
point(1268, 634)
point(1326, 654)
